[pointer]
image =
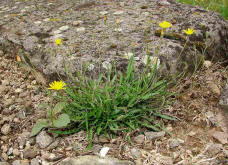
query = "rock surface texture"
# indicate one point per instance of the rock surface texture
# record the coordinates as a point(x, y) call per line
point(130, 27)
point(94, 160)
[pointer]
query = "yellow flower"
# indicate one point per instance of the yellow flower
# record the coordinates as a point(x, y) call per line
point(165, 24)
point(57, 85)
point(58, 41)
point(189, 31)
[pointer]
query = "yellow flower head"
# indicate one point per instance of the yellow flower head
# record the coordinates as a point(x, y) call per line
point(165, 24)
point(189, 31)
point(57, 85)
point(58, 41)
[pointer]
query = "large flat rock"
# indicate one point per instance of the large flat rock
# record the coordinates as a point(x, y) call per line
point(94, 160)
point(31, 27)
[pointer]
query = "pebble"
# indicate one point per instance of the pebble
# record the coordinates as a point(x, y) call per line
point(154, 135)
point(118, 12)
point(4, 163)
point(5, 129)
point(18, 90)
point(34, 161)
point(207, 64)
point(81, 29)
point(10, 151)
point(214, 89)
point(37, 22)
point(139, 139)
point(57, 31)
point(135, 153)
point(8, 102)
point(103, 12)
point(64, 28)
point(43, 139)
point(5, 82)
point(30, 153)
point(16, 162)
point(4, 156)
point(3, 89)
point(77, 23)
point(220, 136)
point(16, 152)
point(175, 143)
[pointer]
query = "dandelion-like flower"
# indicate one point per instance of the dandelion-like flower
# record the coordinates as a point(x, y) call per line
point(58, 41)
point(57, 85)
point(165, 24)
point(189, 31)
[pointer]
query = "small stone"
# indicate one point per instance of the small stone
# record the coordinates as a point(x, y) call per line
point(30, 153)
point(139, 139)
point(118, 12)
point(175, 143)
point(8, 102)
point(103, 12)
point(211, 117)
point(37, 22)
point(154, 135)
point(46, 19)
point(53, 145)
point(5, 129)
point(10, 151)
point(64, 28)
point(4, 138)
point(207, 64)
point(4, 148)
point(34, 161)
point(220, 136)
point(77, 23)
point(81, 29)
point(4, 163)
point(4, 156)
point(57, 32)
point(213, 149)
point(135, 153)
point(5, 82)
point(25, 162)
point(16, 152)
point(214, 88)
point(16, 162)
point(43, 139)
point(51, 157)
point(3, 89)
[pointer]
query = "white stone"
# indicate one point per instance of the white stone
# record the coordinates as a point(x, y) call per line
point(128, 55)
point(207, 64)
point(118, 12)
point(81, 29)
point(57, 36)
point(103, 12)
point(64, 28)
point(23, 10)
point(46, 19)
point(37, 22)
point(57, 32)
point(118, 29)
point(106, 65)
point(104, 151)
point(91, 67)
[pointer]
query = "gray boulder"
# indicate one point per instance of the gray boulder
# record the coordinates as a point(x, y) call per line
point(131, 27)
point(93, 160)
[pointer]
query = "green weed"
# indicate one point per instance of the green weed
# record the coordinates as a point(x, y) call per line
point(116, 102)
point(214, 5)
